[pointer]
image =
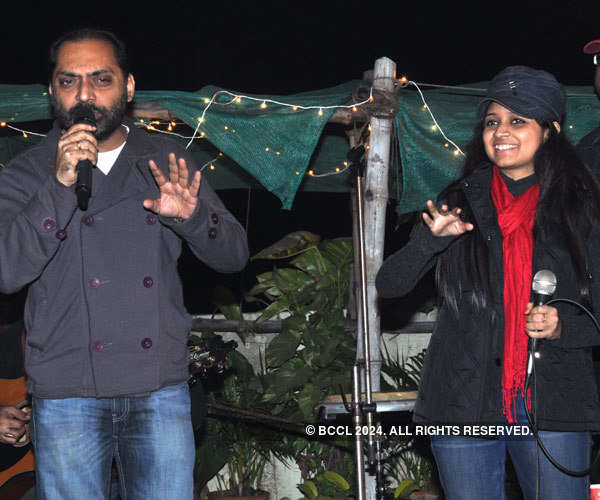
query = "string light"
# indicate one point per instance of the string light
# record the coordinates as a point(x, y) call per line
point(457, 151)
point(263, 104)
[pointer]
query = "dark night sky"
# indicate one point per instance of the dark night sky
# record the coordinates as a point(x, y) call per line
point(289, 46)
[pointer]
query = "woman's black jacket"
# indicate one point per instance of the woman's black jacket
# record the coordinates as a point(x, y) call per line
point(461, 377)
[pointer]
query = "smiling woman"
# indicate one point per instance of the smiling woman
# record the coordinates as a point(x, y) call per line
point(525, 202)
point(511, 141)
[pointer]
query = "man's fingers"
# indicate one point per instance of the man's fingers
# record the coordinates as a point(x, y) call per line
point(159, 177)
point(183, 174)
point(195, 187)
point(173, 169)
point(152, 204)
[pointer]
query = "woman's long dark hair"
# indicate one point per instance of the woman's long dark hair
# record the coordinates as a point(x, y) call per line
point(568, 191)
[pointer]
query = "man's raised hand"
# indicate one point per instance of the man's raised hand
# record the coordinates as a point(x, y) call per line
point(178, 198)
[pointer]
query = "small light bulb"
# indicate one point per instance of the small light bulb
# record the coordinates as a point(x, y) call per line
point(424, 106)
point(570, 126)
point(212, 167)
point(267, 148)
point(345, 164)
point(220, 153)
point(311, 172)
point(354, 109)
point(337, 169)
point(206, 100)
point(200, 119)
point(446, 145)
point(226, 127)
point(277, 153)
point(25, 135)
point(295, 108)
point(456, 153)
point(433, 127)
point(3, 124)
point(369, 127)
point(202, 134)
point(238, 99)
point(170, 128)
point(403, 79)
point(263, 105)
point(371, 99)
point(297, 173)
point(320, 111)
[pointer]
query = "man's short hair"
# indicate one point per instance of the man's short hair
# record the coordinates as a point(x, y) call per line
point(80, 35)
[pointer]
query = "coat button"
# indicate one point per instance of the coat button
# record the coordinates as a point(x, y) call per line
point(88, 220)
point(49, 224)
point(150, 219)
point(212, 233)
point(61, 234)
point(214, 218)
point(489, 237)
point(147, 343)
point(94, 282)
point(466, 184)
point(99, 345)
point(148, 282)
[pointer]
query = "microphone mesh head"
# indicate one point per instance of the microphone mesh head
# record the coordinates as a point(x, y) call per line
point(544, 282)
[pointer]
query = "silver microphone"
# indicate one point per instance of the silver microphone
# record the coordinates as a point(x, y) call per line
point(543, 285)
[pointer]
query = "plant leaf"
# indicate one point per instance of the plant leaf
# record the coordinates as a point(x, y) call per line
point(281, 349)
point(335, 478)
point(291, 244)
point(405, 488)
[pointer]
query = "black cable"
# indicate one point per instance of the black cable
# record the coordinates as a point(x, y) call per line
point(533, 420)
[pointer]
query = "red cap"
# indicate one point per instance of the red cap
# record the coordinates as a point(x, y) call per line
point(592, 47)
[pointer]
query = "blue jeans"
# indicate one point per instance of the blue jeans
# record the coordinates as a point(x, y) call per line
point(150, 438)
point(474, 469)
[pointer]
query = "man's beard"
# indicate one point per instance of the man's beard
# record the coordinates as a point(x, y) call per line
point(107, 119)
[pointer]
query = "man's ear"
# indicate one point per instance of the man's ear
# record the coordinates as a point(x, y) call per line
point(50, 89)
point(130, 87)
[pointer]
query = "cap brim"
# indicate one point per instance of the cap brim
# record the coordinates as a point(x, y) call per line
point(484, 104)
point(592, 47)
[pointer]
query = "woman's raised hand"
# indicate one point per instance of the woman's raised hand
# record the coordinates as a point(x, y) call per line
point(445, 222)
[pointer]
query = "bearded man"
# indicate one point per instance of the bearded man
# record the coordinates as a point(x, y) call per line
point(106, 354)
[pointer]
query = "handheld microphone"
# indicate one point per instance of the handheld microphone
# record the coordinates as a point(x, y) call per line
point(543, 285)
point(83, 188)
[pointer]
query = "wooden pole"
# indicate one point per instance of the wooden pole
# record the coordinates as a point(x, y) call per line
point(376, 198)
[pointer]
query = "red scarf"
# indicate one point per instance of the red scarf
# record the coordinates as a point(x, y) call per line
point(515, 218)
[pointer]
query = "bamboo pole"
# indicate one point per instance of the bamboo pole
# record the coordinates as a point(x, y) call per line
point(376, 198)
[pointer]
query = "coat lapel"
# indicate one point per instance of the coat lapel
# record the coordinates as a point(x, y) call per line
point(129, 177)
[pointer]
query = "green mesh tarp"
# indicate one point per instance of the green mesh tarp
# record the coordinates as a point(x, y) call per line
point(429, 162)
point(274, 144)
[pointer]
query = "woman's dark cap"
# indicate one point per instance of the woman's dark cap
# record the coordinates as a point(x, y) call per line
point(532, 93)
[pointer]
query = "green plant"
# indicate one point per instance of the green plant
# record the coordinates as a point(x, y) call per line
point(326, 485)
point(313, 354)
point(230, 440)
point(408, 467)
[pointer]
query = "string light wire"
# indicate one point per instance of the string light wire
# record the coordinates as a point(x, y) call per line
point(237, 98)
point(433, 118)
